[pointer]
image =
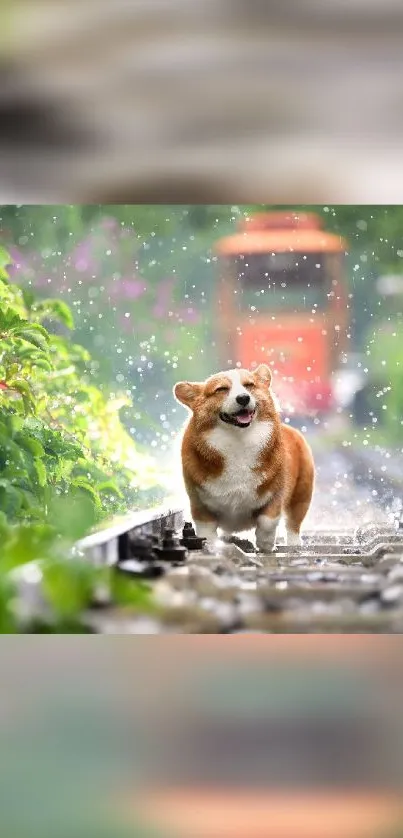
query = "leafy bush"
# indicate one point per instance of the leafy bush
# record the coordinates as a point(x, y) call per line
point(66, 462)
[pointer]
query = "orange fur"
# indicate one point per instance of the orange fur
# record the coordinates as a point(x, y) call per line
point(244, 476)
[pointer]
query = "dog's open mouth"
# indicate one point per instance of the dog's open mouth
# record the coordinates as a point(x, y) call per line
point(241, 419)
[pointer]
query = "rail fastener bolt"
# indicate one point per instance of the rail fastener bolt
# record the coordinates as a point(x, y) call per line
point(170, 549)
point(189, 538)
point(142, 548)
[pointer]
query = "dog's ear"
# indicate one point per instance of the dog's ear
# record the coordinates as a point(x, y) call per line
point(186, 392)
point(263, 374)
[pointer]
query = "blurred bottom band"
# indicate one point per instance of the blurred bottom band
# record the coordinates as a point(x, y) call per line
point(216, 814)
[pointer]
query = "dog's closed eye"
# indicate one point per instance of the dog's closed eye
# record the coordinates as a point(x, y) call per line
point(222, 389)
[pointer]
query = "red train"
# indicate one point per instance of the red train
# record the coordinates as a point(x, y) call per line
point(282, 299)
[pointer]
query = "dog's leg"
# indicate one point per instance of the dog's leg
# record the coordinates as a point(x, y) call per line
point(293, 538)
point(266, 528)
point(294, 517)
point(299, 503)
point(206, 529)
point(205, 523)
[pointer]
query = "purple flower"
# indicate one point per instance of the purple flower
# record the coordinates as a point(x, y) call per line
point(20, 263)
point(109, 223)
point(163, 300)
point(82, 256)
point(164, 290)
point(188, 315)
point(41, 281)
point(169, 336)
point(127, 289)
point(126, 325)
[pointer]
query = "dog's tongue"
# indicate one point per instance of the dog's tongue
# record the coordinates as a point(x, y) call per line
point(244, 417)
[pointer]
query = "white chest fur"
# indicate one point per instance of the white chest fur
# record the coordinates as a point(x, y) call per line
point(233, 495)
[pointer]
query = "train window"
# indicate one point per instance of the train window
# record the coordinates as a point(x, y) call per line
point(257, 270)
point(282, 280)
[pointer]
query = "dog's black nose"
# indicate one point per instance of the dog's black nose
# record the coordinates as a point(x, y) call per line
point(243, 400)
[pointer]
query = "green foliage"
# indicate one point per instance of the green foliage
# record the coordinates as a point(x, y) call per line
point(4, 263)
point(66, 462)
point(69, 585)
point(376, 229)
point(385, 365)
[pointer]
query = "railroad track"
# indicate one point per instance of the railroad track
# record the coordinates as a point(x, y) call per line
point(347, 577)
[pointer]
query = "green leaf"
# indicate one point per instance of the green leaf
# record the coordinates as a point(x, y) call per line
point(69, 585)
point(109, 486)
point(73, 513)
point(40, 469)
point(4, 525)
point(42, 363)
point(61, 468)
point(82, 396)
point(9, 319)
point(8, 623)
point(35, 328)
point(11, 454)
point(10, 498)
point(83, 484)
point(5, 258)
point(29, 443)
point(36, 338)
point(134, 592)
point(11, 371)
point(27, 543)
point(54, 310)
point(28, 297)
point(23, 388)
point(21, 385)
point(14, 424)
point(31, 508)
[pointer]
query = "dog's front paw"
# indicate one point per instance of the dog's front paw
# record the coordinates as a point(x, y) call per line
point(265, 545)
point(210, 547)
point(207, 531)
point(266, 534)
point(293, 539)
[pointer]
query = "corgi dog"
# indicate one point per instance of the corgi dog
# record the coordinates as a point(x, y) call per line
point(243, 468)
